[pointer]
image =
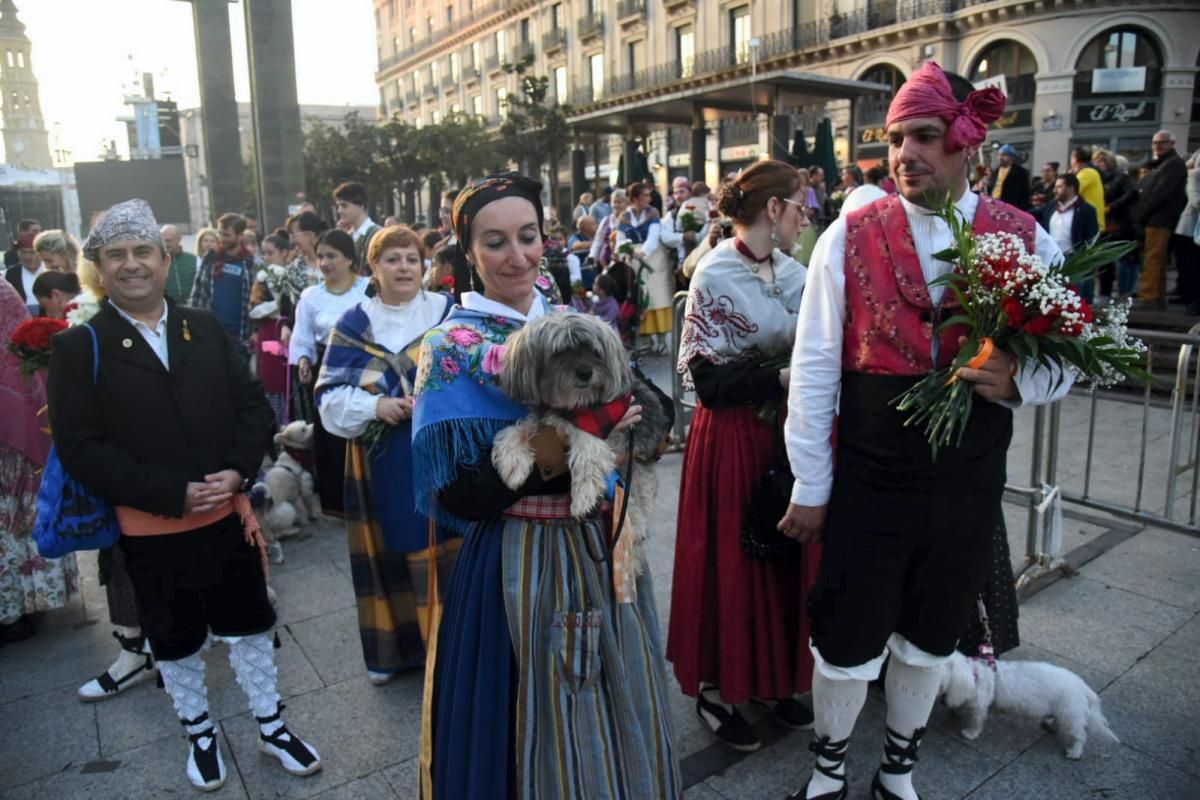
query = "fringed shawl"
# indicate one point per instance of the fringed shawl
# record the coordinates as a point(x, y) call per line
point(460, 407)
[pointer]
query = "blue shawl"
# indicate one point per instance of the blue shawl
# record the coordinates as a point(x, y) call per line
point(459, 406)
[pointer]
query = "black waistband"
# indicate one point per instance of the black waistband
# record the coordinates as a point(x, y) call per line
point(874, 446)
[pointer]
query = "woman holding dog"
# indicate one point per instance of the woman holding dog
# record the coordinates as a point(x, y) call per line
point(539, 681)
point(737, 629)
point(319, 309)
point(364, 393)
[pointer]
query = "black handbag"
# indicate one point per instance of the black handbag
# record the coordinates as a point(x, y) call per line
point(768, 502)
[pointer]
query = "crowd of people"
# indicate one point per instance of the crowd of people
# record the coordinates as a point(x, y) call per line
point(165, 393)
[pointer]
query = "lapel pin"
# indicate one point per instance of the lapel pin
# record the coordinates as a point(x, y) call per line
point(127, 343)
point(187, 334)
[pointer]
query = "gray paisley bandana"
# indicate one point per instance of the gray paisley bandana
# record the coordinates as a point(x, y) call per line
point(131, 220)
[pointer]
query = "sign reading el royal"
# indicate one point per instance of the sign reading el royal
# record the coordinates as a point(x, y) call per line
point(1102, 113)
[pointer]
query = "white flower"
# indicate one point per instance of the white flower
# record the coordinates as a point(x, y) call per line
point(82, 312)
point(261, 276)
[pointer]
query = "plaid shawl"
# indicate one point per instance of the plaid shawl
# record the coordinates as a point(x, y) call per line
point(353, 358)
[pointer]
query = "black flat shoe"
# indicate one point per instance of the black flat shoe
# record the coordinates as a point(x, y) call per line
point(18, 631)
point(835, 753)
point(794, 714)
point(900, 756)
point(728, 725)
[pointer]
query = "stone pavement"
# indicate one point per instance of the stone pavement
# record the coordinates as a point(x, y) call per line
point(1127, 623)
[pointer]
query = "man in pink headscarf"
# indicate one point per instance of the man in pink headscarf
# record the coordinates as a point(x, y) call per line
point(906, 539)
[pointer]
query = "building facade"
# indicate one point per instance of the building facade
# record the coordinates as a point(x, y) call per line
point(26, 142)
point(728, 81)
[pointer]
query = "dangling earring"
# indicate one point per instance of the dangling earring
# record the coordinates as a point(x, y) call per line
point(775, 233)
point(471, 275)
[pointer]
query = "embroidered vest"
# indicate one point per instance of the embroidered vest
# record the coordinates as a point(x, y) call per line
point(890, 318)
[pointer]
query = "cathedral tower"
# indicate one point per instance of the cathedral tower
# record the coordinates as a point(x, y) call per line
point(26, 143)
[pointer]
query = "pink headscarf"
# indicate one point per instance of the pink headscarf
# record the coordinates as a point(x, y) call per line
point(927, 93)
point(20, 399)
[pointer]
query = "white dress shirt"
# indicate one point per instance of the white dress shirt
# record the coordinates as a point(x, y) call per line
point(27, 279)
point(861, 196)
point(156, 337)
point(477, 302)
point(1060, 227)
point(317, 311)
point(816, 376)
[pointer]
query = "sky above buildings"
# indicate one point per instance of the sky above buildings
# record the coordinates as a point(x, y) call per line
point(88, 53)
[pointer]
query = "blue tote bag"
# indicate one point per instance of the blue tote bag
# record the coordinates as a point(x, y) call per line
point(70, 516)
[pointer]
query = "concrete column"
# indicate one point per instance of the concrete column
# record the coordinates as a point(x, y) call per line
point(1176, 110)
point(1052, 142)
point(578, 174)
point(278, 142)
point(698, 147)
point(222, 145)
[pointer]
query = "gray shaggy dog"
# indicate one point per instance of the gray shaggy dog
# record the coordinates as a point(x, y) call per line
point(564, 362)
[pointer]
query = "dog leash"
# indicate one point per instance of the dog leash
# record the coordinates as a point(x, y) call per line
point(986, 651)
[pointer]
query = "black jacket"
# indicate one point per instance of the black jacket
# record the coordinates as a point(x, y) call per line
point(1121, 197)
point(141, 433)
point(13, 276)
point(1016, 190)
point(1164, 192)
point(1084, 225)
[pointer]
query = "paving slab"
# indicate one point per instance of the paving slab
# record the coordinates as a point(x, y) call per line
point(1158, 564)
point(311, 591)
point(226, 698)
point(332, 645)
point(47, 734)
point(1120, 772)
point(403, 779)
point(1106, 627)
point(372, 787)
point(1153, 709)
point(58, 656)
point(356, 727)
point(1186, 640)
point(154, 770)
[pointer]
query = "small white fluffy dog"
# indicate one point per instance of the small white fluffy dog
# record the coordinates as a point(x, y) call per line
point(292, 502)
point(1057, 697)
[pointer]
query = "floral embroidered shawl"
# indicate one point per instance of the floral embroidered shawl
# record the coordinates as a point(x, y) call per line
point(732, 315)
point(459, 405)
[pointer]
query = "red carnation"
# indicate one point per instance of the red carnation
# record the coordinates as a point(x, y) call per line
point(1039, 325)
point(1014, 310)
point(34, 334)
point(448, 282)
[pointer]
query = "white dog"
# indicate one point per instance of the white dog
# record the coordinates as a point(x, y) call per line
point(1056, 696)
point(291, 500)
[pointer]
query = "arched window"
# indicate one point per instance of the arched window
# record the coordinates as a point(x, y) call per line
point(872, 109)
point(1124, 47)
point(1005, 57)
point(1120, 47)
point(884, 73)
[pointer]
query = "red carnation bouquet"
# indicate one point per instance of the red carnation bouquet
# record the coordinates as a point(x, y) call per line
point(1010, 299)
point(30, 343)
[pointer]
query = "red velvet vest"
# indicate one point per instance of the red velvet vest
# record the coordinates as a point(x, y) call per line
point(889, 316)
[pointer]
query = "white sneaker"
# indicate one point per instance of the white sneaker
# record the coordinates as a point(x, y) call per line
point(296, 756)
point(379, 678)
point(205, 767)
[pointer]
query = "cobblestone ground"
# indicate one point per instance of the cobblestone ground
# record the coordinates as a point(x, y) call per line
point(1126, 622)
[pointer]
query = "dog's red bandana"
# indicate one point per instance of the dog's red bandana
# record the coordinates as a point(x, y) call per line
point(599, 421)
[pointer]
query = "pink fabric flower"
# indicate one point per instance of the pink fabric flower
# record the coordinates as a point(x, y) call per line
point(493, 360)
point(927, 93)
point(464, 337)
point(449, 366)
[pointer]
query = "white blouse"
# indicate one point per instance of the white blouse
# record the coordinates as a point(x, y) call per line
point(316, 313)
point(346, 411)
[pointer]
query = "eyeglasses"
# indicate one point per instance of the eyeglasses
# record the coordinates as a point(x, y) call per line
point(1161, 141)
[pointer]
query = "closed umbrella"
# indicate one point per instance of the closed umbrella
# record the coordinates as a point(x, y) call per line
point(800, 155)
point(823, 156)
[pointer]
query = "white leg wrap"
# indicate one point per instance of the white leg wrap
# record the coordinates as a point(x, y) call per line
point(184, 681)
point(904, 650)
point(253, 662)
point(868, 671)
point(911, 691)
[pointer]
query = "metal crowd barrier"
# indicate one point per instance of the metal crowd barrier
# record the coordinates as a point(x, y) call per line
point(685, 401)
point(1044, 494)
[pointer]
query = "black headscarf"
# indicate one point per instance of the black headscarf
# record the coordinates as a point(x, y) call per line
point(479, 193)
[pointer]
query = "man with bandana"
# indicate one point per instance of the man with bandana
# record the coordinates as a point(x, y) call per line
point(906, 538)
point(153, 410)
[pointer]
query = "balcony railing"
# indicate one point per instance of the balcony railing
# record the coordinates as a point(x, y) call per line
point(591, 25)
point(429, 86)
point(554, 39)
point(449, 80)
point(671, 5)
point(465, 21)
point(522, 51)
point(631, 11)
point(411, 97)
point(492, 62)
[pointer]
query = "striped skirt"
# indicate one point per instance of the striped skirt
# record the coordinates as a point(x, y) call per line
point(543, 683)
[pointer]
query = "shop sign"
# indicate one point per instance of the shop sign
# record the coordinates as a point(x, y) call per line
point(872, 135)
point(740, 152)
point(995, 82)
point(1126, 80)
point(679, 160)
point(1101, 113)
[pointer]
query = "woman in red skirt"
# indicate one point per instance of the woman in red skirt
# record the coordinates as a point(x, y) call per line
point(274, 309)
point(738, 630)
